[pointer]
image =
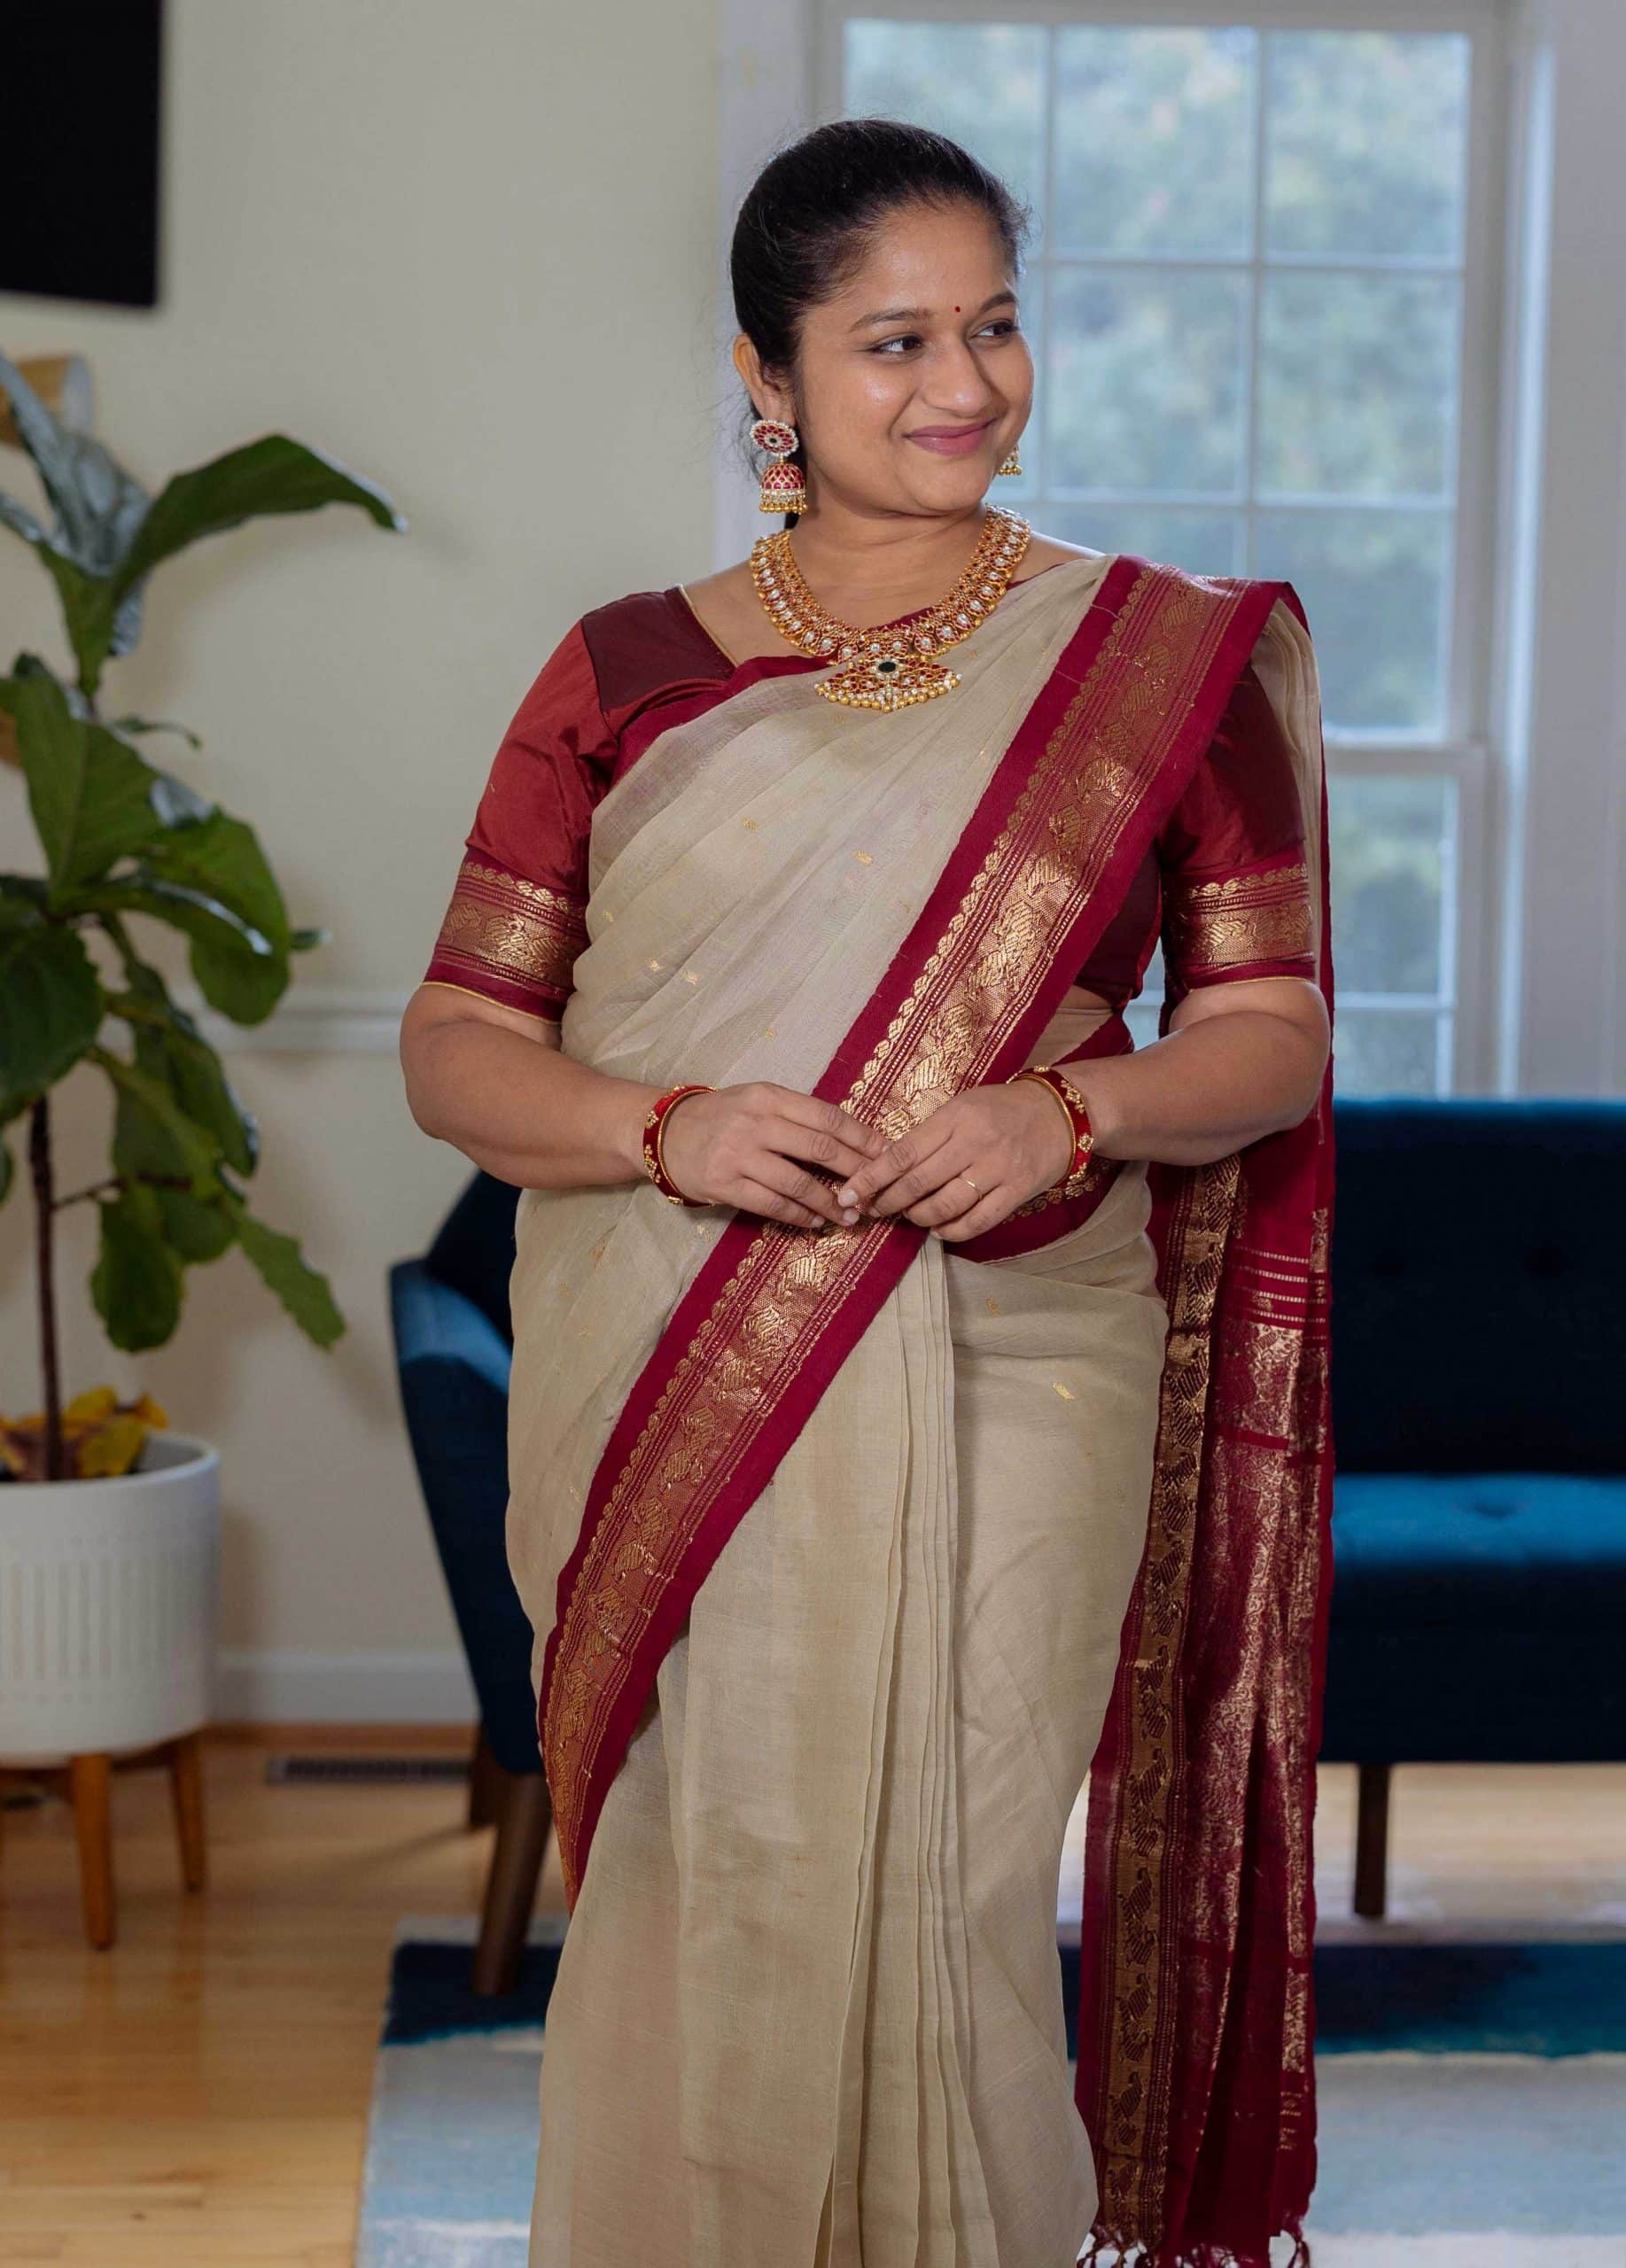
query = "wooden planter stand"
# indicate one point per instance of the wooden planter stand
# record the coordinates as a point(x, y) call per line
point(86, 1782)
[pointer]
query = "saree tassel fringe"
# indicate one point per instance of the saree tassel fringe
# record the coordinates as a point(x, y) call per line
point(1105, 2250)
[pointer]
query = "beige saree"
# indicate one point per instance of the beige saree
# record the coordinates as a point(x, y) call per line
point(829, 1539)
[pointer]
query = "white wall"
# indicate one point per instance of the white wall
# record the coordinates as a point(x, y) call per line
point(469, 251)
point(1566, 626)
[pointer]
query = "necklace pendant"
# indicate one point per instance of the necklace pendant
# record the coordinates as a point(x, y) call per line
point(887, 681)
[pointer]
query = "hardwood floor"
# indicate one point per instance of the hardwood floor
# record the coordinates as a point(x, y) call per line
point(196, 2096)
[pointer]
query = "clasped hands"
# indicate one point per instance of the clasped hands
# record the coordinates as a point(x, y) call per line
point(963, 1169)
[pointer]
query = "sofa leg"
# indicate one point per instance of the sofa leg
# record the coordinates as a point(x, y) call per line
point(487, 1781)
point(510, 1886)
point(1371, 1840)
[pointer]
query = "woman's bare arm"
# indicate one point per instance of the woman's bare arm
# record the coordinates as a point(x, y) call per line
point(1238, 1061)
point(496, 1084)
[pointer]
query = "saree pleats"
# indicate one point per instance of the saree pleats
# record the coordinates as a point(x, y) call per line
point(809, 2007)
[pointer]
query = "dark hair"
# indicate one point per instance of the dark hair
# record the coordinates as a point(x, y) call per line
point(806, 220)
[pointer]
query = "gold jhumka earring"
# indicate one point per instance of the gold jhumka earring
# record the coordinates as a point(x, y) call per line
point(783, 488)
point(1013, 463)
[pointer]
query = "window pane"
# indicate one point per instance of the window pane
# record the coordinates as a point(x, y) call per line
point(982, 83)
point(1367, 143)
point(1384, 1051)
point(1357, 385)
point(1022, 494)
point(1391, 836)
point(1154, 132)
point(1374, 587)
point(1375, 1051)
point(1204, 543)
point(1144, 380)
point(1143, 1011)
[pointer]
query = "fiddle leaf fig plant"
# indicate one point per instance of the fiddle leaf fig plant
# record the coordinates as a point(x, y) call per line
point(125, 844)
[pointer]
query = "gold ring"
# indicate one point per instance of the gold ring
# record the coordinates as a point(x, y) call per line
point(966, 1178)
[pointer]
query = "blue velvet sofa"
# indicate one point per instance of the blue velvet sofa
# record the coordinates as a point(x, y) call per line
point(1479, 1592)
point(1479, 1418)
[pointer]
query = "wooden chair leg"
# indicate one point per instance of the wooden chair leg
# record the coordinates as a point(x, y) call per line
point(186, 1788)
point(510, 1886)
point(487, 1783)
point(91, 1780)
point(1371, 1840)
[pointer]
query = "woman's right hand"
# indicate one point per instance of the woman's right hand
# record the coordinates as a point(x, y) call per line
point(752, 1146)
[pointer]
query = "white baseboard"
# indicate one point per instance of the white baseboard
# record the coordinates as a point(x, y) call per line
point(309, 1020)
point(276, 1685)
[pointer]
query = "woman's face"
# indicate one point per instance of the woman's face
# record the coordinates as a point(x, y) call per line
point(915, 380)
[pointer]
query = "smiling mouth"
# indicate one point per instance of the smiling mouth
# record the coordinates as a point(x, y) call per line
point(949, 440)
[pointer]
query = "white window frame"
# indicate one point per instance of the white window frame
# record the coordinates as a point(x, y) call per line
point(1538, 668)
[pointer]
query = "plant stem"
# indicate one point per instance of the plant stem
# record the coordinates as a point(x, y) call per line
point(93, 1189)
point(122, 1181)
point(39, 1160)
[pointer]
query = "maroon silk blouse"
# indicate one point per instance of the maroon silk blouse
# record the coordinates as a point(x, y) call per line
point(1224, 884)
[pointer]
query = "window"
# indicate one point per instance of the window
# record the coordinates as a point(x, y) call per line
point(1257, 295)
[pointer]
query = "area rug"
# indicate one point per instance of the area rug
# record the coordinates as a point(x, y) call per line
point(1471, 2099)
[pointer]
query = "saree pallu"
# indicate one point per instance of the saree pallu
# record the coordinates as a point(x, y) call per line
point(851, 1554)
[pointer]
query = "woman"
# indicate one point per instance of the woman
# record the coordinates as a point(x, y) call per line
point(952, 1433)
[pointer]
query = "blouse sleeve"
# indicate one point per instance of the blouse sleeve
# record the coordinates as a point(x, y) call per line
point(518, 916)
point(1235, 878)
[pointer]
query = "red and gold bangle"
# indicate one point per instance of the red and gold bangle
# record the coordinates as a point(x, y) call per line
point(1077, 1114)
point(654, 1130)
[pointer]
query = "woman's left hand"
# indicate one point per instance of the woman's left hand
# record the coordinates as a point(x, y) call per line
point(969, 1164)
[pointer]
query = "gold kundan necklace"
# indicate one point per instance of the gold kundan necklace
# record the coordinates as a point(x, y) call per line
point(888, 666)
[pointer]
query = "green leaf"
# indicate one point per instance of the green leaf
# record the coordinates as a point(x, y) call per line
point(153, 1134)
point(98, 505)
point(273, 474)
point(22, 903)
point(302, 1290)
point(144, 1142)
point(87, 613)
point(178, 804)
point(169, 1044)
point(239, 970)
point(90, 794)
point(196, 1231)
point(155, 725)
point(127, 621)
point(50, 1010)
point(222, 858)
point(137, 1284)
point(205, 1094)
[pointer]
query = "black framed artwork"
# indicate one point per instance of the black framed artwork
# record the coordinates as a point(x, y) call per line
point(79, 149)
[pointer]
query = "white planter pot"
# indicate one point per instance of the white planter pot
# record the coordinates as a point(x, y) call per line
point(108, 1605)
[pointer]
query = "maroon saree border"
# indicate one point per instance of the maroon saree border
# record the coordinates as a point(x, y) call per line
point(1089, 776)
point(1195, 2073)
